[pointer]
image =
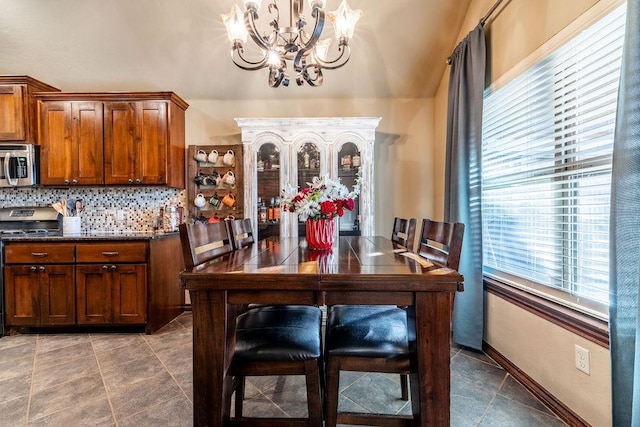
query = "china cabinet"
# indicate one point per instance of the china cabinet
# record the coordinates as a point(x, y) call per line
point(284, 153)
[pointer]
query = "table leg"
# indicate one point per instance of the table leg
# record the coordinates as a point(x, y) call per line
point(209, 367)
point(432, 383)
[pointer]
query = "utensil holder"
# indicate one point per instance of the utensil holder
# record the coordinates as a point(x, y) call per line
point(71, 225)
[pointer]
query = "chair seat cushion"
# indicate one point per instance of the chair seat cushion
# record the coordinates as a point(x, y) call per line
point(367, 331)
point(279, 333)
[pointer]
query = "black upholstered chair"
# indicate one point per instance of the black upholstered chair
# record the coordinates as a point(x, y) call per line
point(376, 338)
point(404, 232)
point(269, 340)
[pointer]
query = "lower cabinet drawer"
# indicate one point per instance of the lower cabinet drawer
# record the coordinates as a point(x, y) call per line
point(111, 253)
point(41, 253)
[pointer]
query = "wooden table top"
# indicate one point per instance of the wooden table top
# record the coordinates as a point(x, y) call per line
point(359, 262)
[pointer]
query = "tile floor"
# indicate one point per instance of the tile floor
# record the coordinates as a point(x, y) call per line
point(145, 380)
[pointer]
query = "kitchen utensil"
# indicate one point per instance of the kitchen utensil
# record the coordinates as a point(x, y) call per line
point(229, 200)
point(199, 201)
point(201, 156)
point(215, 201)
point(79, 206)
point(213, 156)
point(229, 178)
point(65, 212)
point(199, 179)
point(58, 207)
point(229, 158)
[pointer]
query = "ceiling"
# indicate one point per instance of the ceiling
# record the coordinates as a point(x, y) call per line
point(398, 50)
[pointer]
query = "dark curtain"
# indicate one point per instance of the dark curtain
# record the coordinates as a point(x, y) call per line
point(624, 253)
point(462, 179)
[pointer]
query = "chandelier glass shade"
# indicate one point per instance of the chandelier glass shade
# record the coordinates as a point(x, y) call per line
point(298, 44)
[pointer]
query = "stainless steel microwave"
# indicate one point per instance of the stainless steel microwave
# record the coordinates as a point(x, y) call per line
point(19, 165)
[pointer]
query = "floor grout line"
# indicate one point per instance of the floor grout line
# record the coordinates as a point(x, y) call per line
point(33, 378)
point(104, 384)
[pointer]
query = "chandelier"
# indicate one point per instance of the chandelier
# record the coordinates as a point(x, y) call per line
point(281, 45)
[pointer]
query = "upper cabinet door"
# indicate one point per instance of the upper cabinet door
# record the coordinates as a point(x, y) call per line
point(71, 143)
point(152, 132)
point(87, 142)
point(19, 109)
point(135, 142)
point(12, 113)
point(120, 142)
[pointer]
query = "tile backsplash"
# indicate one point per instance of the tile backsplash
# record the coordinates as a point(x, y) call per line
point(106, 208)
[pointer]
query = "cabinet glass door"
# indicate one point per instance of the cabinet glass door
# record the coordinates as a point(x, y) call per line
point(348, 167)
point(268, 171)
point(308, 163)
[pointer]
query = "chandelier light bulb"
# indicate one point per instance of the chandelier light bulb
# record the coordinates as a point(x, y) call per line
point(322, 49)
point(234, 22)
point(273, 59)
point(344, 20)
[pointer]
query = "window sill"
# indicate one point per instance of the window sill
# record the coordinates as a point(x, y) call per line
point(590, 328)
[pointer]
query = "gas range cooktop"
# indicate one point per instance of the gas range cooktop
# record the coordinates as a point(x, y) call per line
point(34, 220)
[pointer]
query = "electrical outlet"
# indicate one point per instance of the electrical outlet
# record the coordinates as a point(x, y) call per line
point(582, 359)
point(120, 215)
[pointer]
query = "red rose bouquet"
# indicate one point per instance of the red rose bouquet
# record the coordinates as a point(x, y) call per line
point(324, 198)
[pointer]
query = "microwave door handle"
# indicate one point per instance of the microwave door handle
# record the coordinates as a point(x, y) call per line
point(11, 181)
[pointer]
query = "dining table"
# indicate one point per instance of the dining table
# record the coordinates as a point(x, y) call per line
point(356, 270)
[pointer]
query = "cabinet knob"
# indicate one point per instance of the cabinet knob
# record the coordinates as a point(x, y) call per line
point(105, 267)
point(41, 268)
point(138, 180)
point(74, 181)
point(130, 181)
point(33, 268)
point(66, 181)
point(113, 267)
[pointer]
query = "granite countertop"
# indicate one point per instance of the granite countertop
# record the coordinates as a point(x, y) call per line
point(89, 235)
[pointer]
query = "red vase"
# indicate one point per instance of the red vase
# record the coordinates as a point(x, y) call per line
point(320, 233)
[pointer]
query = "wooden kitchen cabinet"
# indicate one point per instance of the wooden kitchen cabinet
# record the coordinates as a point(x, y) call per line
point(111, 291)
point(135, 143)
point(140, 136)
point(79, 283)
point(39, 292)
point(111, 294)
point(71, 150)
point(18, 109)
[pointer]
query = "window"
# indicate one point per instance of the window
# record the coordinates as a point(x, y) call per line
point(546, 170)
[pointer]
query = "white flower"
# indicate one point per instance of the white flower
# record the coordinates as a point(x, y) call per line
point(324, 198)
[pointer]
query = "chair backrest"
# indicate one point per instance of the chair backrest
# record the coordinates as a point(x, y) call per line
point(241, 232)
point(441, 242)
point(204, 242)
point(404, 232)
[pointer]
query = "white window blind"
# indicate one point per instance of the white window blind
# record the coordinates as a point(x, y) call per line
point(546, 170)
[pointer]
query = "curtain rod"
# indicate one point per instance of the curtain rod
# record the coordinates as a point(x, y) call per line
point(482, 21)
point(488, 14)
